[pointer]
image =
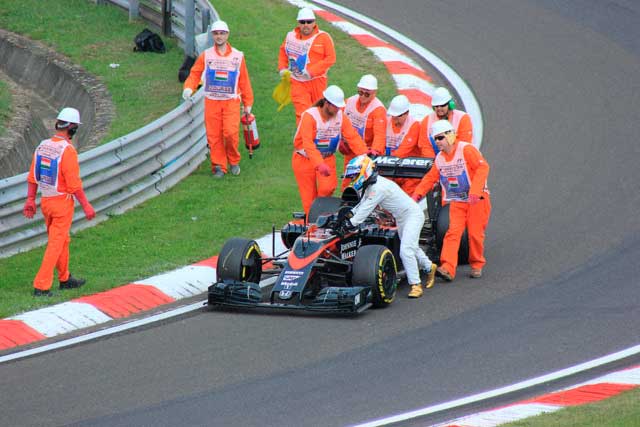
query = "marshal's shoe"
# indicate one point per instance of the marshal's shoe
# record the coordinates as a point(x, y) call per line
point(40, 293)
point(476, 273)
point(441, 272)
point(72, 283)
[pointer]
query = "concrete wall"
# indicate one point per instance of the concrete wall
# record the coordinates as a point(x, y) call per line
point(51, 82)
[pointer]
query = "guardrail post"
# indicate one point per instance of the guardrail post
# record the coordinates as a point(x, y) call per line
point(134, 10)
point(206, 20)
point(189, 27)
point(166, 17)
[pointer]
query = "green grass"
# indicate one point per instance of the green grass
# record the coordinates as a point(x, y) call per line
point(620, 411)
point(5, 106)
point(192, 220)
point(145, 85)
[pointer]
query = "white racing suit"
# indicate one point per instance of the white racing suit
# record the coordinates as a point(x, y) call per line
point(409, 218)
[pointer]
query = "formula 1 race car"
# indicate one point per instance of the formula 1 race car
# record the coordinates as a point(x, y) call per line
point(329, 266)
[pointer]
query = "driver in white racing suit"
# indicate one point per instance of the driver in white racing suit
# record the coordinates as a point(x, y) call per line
point(375, 190)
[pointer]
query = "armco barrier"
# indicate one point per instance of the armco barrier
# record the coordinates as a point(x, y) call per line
point(122, 173)
point(170, 17)
point(116, 176)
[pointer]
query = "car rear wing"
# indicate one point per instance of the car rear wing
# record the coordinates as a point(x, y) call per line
point(408, 167)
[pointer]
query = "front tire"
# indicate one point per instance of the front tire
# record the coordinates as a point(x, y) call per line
point(375, 266)
point(240, 260)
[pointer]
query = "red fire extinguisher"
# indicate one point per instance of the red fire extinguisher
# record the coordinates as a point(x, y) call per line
point(250, 131)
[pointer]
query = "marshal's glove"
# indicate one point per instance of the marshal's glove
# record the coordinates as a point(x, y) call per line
point(29, 209)
point(323, 169)
point(473, 199)
point(86, 206)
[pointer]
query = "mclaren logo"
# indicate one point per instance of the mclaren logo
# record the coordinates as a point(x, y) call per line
point(397, 161)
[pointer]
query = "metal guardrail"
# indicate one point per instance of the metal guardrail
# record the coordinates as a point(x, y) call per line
point(119, 174)
point(170, 17)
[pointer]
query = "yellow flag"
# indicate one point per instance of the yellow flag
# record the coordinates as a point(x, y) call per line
point(282, 92)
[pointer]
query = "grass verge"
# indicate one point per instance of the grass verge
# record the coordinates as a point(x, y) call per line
point(5, 106)
point(191, 221)
point(620, 411)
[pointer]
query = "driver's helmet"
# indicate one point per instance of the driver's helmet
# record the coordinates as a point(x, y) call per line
point(359, 169)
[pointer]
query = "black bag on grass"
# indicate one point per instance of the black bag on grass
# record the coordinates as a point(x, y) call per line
point(148, 41)
point(185, 68)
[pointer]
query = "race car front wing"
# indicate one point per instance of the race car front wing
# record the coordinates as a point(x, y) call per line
point(332, 299)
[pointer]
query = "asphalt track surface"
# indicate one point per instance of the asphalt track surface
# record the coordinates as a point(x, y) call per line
point(559, 85)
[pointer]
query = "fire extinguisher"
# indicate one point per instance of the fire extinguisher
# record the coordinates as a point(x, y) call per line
point(250, 131)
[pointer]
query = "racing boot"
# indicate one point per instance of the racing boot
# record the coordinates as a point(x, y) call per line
point(72, 283)
point(416, 291)
point(430, 277)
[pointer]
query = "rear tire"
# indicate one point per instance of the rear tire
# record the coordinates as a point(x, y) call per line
point(323, 205)
point(375, 266)
point(441, 229)
point(240, 260)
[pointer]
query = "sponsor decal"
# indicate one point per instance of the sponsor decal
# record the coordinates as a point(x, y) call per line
point(290, 279)
point(285, 294)
point(348, 254)
point(348, 249)
point(397, 161)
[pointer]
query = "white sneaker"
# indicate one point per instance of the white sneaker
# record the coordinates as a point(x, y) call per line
point(235, 169)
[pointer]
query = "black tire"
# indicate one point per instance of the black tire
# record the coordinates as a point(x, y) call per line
point(241, 260)
point(323, 205)
point(441, 229)
point(375, 266)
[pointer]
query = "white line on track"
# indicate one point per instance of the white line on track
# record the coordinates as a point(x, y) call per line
point(115, 329)
point(632, 351)
point(473, 108)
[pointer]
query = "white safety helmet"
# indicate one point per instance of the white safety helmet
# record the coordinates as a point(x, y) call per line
point(441, 126)
point(440, 96)
point(69, 115)
point(219, 26)
point(398, 106)
point(334, 95)
point(305, 14)
point(369, 82)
